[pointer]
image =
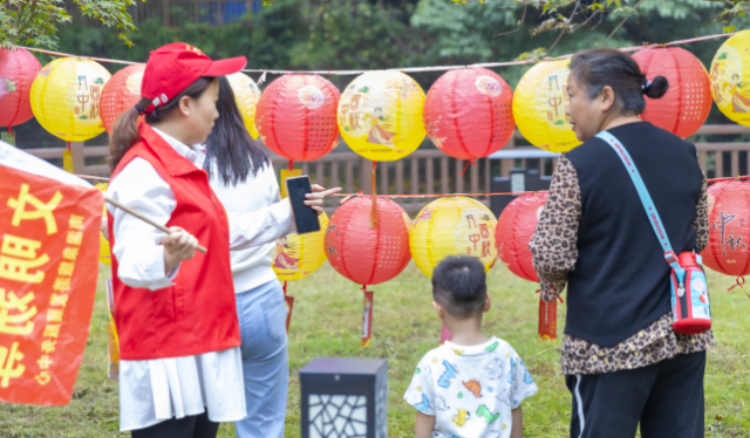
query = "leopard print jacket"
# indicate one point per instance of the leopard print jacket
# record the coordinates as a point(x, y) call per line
point(555, 252)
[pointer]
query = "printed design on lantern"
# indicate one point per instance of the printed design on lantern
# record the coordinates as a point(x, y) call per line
point(424, 215)
point(363, 112)
point(285, 255)
point(337, 416)
point(390, 253)
point(433, 126)
point(553, 98)
point(6, 86)
point(311, 96)
point(88, 94)
point(488, 86)
point(133, 83)
point(475, 233)
point(330, 247)
point(728, 90)
point(733, 241)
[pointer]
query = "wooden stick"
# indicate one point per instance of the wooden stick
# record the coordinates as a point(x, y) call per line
point(145, 219)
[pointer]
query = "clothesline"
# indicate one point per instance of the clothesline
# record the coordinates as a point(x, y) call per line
point(402, 69)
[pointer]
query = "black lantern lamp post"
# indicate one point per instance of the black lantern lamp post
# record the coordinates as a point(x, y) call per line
point(344, 398)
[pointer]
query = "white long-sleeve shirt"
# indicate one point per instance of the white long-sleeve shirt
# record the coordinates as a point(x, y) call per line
point(259, 195)
point(155, 390)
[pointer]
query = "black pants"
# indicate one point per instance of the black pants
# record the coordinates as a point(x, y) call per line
point(666, 398)
point(194, 426)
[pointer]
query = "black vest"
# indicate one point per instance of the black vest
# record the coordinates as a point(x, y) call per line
point(620, 284)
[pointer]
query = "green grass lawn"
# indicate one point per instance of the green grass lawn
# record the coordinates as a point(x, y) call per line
point(326, 322)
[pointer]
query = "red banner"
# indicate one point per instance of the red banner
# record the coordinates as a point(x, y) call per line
point(49, 248)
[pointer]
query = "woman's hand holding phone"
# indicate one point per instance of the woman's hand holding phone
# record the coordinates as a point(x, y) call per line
point(319, 194)
point(178, 245)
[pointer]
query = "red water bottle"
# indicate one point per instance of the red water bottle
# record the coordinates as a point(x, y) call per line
point(690, 304)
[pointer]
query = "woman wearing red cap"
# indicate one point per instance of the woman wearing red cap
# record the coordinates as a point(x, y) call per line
point(181, 366)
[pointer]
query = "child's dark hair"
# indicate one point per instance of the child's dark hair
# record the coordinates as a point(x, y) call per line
point(125, 129)
point(458, 284)
point(597, 68)
point(229, 147)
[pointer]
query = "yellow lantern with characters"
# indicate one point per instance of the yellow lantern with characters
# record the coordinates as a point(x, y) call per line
point(65, 98)
point(539, 105)
point(730, 78)
point(297, 256)
point(449, 226)
point(246, 94)
point(380, 115)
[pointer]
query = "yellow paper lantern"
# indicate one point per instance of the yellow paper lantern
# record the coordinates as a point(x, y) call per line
point(105, 255)
point(246, 94)
point(380, 115)
point(296, 257)
point(452, 226)
point(65, 98)
point(539, 107)
point(730, 78)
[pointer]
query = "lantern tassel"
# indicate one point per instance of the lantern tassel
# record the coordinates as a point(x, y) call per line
point(739, 283)
point(10, 131)
point(369, 301)
point(291, 165)
point(373, 182)
point(466, 167)
point(68, 146)
point(284, 288)
point(547, 320)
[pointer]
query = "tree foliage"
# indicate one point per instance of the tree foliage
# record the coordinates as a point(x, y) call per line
point(36, 22)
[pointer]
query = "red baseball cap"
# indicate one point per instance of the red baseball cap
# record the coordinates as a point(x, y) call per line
point(172, 68)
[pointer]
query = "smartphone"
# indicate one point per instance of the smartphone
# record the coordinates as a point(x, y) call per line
point(305, 218)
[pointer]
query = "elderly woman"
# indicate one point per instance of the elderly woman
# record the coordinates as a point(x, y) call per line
point(622, 360)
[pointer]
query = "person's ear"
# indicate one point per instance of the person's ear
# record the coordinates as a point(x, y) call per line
point(438, 309)
point(487, 304)
point(185, 105)
point(607, 98)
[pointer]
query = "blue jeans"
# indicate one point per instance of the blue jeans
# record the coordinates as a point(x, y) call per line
point(265, 362)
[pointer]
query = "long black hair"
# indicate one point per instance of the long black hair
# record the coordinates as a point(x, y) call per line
point(229, 145)
point(596, 68)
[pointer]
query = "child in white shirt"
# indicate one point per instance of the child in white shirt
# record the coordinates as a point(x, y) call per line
point(473, 386)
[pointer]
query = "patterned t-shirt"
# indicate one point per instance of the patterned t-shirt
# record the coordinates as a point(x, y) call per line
point(470, 390)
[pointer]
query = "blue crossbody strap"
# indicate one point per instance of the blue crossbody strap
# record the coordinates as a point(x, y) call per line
point(648, 203)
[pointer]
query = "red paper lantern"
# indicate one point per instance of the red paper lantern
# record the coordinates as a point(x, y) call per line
point(729, 228)
point(515, 227)
point(296, 117)
point(469, 113)
point(687, 103)
point(18, 69)
point(121, 92)
point(365, 254)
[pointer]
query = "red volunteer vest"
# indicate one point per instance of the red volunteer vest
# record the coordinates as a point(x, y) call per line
point(198, 313)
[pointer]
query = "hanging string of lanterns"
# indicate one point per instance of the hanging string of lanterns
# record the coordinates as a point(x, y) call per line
point(384, 116)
